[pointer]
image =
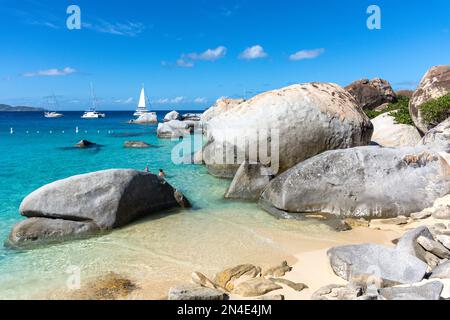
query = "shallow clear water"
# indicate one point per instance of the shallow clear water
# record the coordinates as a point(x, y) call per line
point(160, 250)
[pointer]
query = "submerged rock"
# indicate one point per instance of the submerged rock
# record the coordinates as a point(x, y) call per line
point(85, 144)
point(92, 202)
point(378, 263)
point(249, 181)
point(136, 145)
point(371, 94)
point(47, 231)
point(294, 123)
point(195, 293)
point(369, 182)
point(434, 84)
point(388, 133)
point(109, 287)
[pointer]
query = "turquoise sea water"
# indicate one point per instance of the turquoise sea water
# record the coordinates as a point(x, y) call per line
point(159, 250)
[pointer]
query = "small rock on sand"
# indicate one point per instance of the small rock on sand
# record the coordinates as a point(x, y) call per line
point(278, 271)
point(255, 287)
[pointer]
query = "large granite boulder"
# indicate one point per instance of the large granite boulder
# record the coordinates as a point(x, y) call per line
point(438, 138)
point(435, 84)
point(283, 127)
point(371, 94)
point(222, 105)
point(173, 115)
point(146, 118)
point(89, 203)
point(368, 182)
point(173, 129)
point(382, 265)
point(388, 133)
point(249, 181)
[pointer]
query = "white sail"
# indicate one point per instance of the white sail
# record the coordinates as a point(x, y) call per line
point(142, 104)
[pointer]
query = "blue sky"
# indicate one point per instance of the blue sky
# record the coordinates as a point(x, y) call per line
point(189, 53)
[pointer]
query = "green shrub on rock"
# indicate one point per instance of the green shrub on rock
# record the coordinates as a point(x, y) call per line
point(436, 110)
point(399, 110)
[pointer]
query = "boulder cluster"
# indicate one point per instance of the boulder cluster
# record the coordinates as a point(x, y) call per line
point(329, 156)
point(245, 281)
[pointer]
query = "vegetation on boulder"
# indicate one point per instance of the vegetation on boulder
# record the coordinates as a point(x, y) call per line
point(399, 110)
point(436, 110)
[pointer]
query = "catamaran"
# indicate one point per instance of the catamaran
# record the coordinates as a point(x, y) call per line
point(142, 106)
point(53, 114)
point(92, 113)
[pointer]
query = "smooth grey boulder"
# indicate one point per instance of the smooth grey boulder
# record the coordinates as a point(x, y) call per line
point(249, 181)
point(284, 127)
point(442, 271)
point(46, 231)
point(438, 138)
point(376, 262)
point(435, 84)
point(367, 182)
point(429, 291)
point(108, 199)
point(173, 129)
point(408, 242)
point(195, 292)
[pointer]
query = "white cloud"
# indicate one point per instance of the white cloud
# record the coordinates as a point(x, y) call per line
point(162, 101)
point(209, 55)
point(124, 101)
point(306, 54)
point(184, 64)
point(178, 99)
point(255, 52)
point(51, 72)
point(187, 60)
point(200, 100)
point(128, 29)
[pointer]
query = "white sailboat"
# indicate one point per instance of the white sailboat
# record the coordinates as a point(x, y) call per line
point(142, 106)
point(144, 116)
point(92, 112)
point(50, 113)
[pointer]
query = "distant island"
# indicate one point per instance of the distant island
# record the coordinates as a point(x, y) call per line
point(7, 108)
